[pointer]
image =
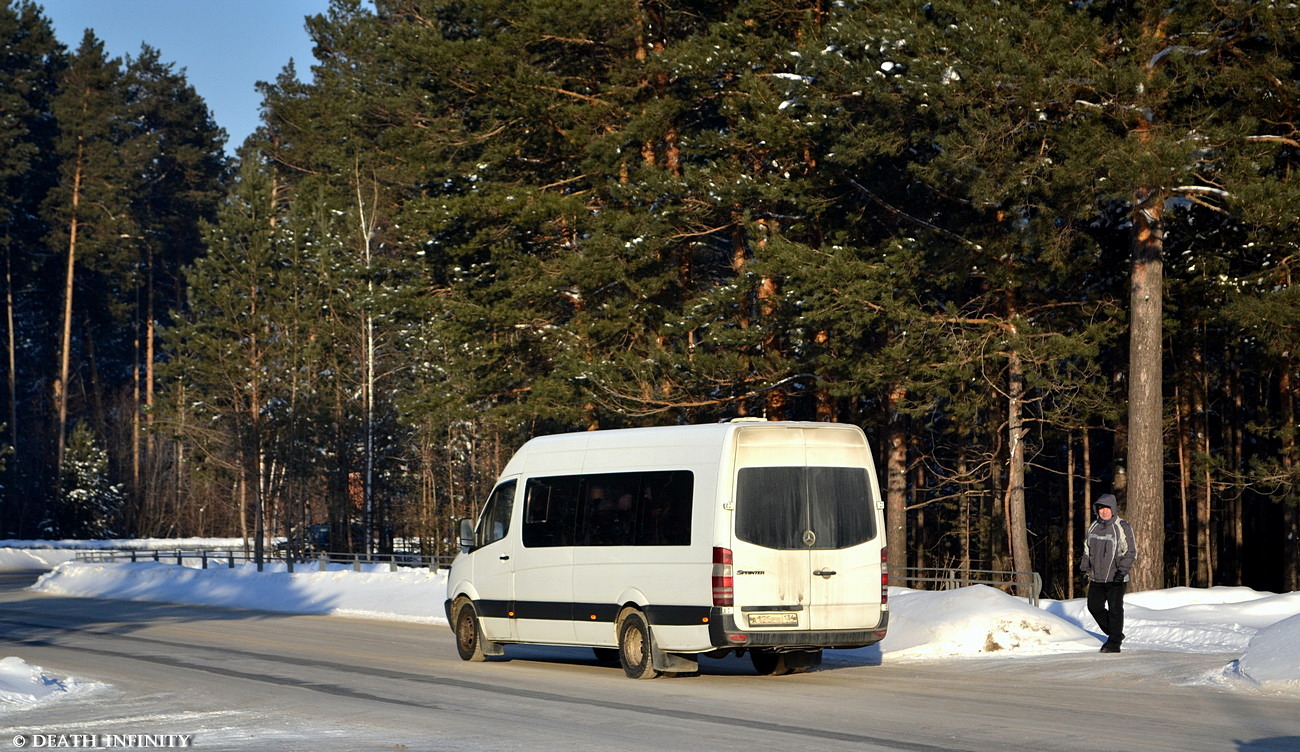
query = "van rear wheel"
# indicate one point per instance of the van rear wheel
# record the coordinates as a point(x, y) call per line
point(634, 647)
point(768, 662)
point(772, 663)
point(469, 639)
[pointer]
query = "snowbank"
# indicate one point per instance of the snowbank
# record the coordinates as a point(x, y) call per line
point(46, 554)
point(23, 685)
point(139, 544)
point(15, 559)
point(973, 621)
point(414, 595)
point(1272, 660)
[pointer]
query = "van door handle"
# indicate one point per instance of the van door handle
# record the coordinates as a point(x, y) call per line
point(507, 556)
point(827, 573)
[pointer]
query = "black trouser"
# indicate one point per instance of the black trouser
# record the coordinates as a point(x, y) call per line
point(1106, 604)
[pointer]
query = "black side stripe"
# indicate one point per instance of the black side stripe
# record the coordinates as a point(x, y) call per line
point(590, 612)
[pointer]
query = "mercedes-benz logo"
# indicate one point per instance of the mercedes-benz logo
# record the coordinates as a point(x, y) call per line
point(809, 538)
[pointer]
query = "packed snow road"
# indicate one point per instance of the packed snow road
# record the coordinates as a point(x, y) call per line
point(232, 680)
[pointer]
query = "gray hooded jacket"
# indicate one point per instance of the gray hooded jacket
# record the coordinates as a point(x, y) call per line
point(1109, 549)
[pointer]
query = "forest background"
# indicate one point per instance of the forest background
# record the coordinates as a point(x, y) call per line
point(1038, 251)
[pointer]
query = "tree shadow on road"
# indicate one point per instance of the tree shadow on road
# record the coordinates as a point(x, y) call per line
point(1270, 744)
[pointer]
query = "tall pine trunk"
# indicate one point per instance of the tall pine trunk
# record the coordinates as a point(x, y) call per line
point(896, 485)
point(1017, 522)
point(1291, 530)
point(1145, 506)
point(65, 349)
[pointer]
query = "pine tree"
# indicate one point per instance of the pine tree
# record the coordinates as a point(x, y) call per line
point(91, 221)
point(1195, 90)
point(172, 137)
point(89, 502)
point(30, 66)
point(226, 391)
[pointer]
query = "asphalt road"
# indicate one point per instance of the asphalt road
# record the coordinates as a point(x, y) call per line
point(240, 680)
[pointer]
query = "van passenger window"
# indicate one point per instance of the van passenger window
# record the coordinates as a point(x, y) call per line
point(609, 509)
point(494, 523)
point(551, 506)
point(664, 513)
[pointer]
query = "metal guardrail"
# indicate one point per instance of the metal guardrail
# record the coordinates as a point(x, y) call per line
point(205, 558)
point(1029, 583)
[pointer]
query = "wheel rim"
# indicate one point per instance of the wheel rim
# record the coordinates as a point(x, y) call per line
point(465, 632)
point(634, 646)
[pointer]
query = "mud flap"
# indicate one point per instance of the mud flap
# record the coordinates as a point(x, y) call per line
point(673, 663)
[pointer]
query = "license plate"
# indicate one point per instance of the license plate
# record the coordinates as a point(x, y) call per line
point(779, 619)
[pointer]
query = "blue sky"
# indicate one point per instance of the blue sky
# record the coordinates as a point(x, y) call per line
point(225, 46)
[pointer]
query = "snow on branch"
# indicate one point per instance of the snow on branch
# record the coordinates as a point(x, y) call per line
point(1275, 139)
point(1201, 190)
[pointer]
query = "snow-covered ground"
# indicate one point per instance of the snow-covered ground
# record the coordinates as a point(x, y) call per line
point(972, 622)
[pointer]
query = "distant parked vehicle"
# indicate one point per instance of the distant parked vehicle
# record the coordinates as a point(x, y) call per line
point(304, 541)
point(316, 539)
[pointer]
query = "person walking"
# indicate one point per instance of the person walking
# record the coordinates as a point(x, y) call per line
point(1109, 551)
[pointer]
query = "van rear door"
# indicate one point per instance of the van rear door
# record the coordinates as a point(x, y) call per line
point(805, 542)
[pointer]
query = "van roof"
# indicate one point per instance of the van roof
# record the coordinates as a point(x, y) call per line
point(702, 439)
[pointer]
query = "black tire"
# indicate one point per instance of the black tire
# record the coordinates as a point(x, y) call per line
point(768, 662)
point(772, 663)
point(606, 656)
point(634, 647)
point(469, 638)
point(804, 660)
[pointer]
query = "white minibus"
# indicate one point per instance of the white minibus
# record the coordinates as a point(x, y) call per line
point(657, 545)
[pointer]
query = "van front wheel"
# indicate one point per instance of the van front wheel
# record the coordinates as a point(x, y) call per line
point(469, 640)
point(634, 647)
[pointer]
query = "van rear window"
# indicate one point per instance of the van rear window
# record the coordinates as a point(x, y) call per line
point(776, 507)
point(609, 509)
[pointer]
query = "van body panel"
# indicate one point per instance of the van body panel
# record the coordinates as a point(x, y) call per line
point(544, 587)
point(494, 580)
point(795, 505)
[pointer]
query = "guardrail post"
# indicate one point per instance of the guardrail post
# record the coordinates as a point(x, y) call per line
point(230, 560)
point(324, 561)
point(288, 561)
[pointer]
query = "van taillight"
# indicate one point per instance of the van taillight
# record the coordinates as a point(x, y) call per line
point(724, 584)
point(884, 576)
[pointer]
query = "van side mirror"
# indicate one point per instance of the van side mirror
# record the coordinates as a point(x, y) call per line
point(467, 534)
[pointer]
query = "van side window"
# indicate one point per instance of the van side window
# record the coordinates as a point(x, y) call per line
point(551, 507)
point(609, 509)
point(775, 506)
point(664, 511)
point(494, 523)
